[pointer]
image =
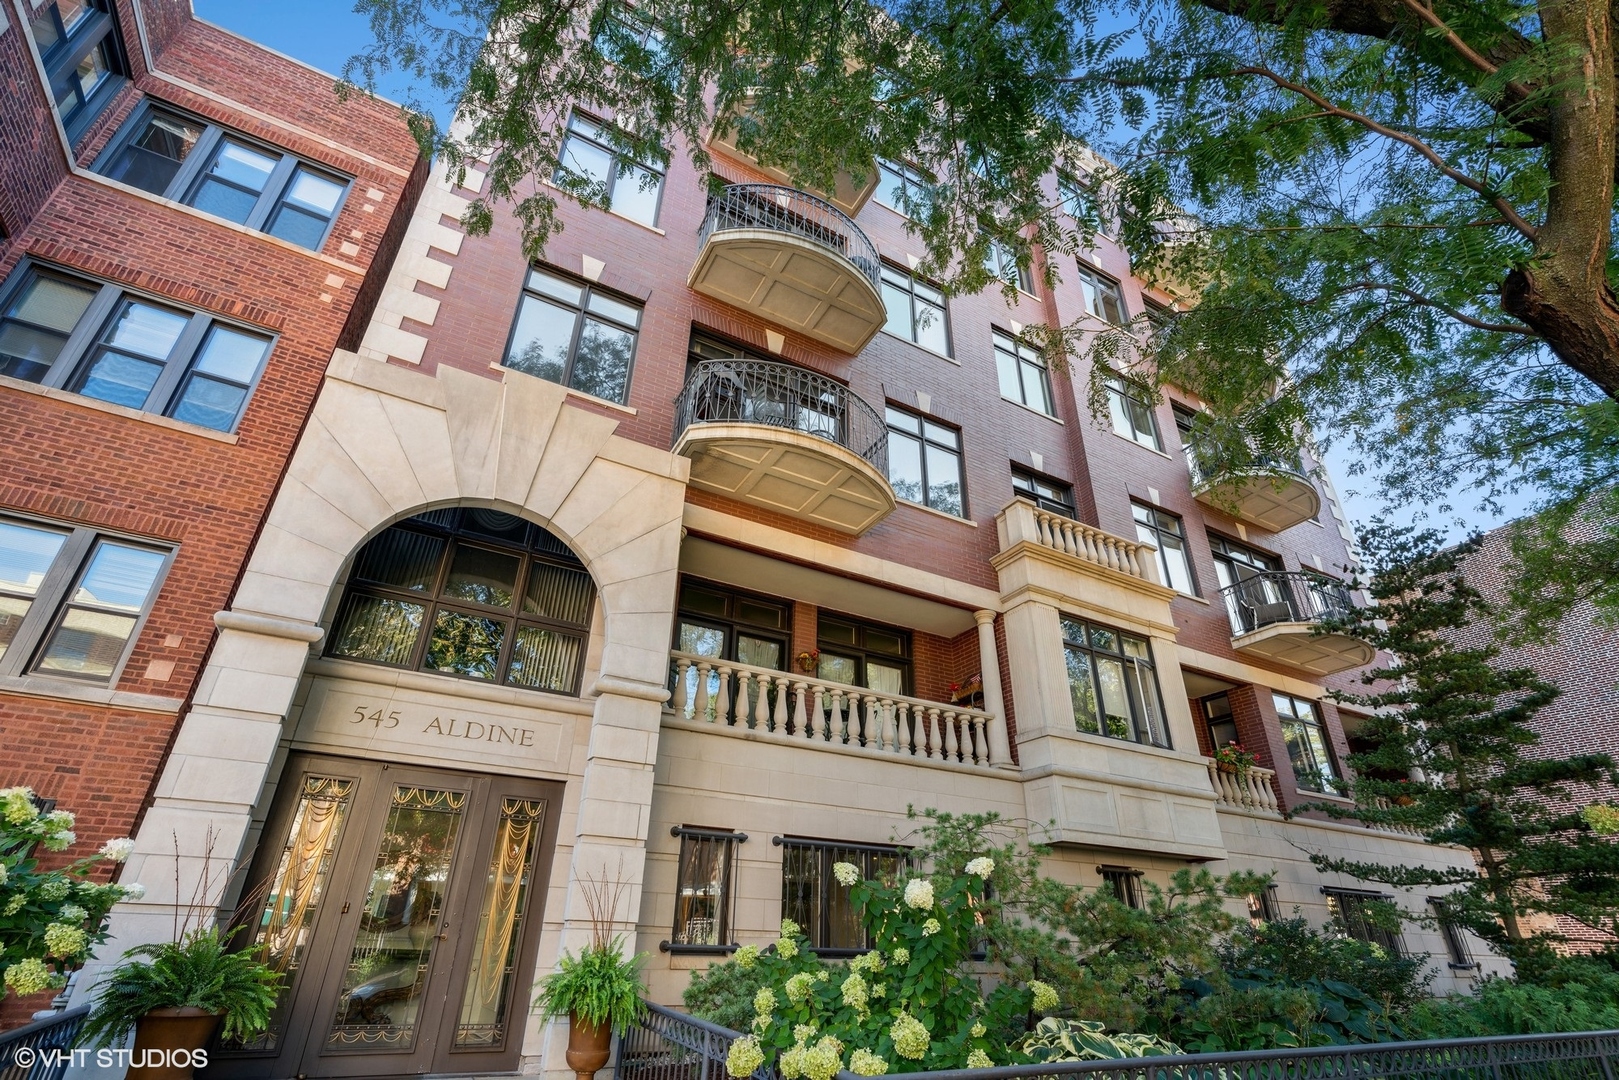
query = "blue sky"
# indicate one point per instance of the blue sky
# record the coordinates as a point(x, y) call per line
point(325, 33)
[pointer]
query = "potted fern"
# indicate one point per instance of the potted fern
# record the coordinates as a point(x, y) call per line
point(176, 995)
point(600, 990)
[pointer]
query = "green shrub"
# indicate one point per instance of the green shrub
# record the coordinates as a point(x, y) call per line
point(1085, 1040)
point(1509, 1007)
point(198, 971)
point(601, 985)
point(724, 993)
point(1292, 952)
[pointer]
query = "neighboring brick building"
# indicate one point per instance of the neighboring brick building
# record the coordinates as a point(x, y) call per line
point(189, 223)
point(1581, 659)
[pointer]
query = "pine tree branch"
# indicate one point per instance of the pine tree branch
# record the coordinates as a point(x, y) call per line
point(1314, 97)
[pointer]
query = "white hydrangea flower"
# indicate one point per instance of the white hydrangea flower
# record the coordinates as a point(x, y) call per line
point(919, 893)
point(846, 873)
point(118, 850)
point(745, 1056)
point(910, 1037)
point(1045, 998)
point(931, 927)
point(864, 1063)
point(134, 891)
point(983, 866)
point(979, 1060)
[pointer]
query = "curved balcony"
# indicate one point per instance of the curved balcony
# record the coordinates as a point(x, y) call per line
point(785, 439)
point(1273, 493)
point(1275, 615)
point(793, 259)
point(846, 195)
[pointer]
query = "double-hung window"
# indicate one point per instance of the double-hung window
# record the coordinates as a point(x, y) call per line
point(1168, 533)
point(1307, 744)
point(857, 653)
point(900, 186)
point(916, 310)
point(83, 54)
point(590, 166)
point(225, 174)
point(1022, 371)
point(1002, 262)
point(1129, 406)
point(88, 337)
point(1049, 495)
point(72, 601)
point(1112, 683)
point(705, 887)
point(474, 593)
point(924, 462)
point(812, 897)
point(1365, 916)
point(571, 333)
point(1461, 955)
point(1103, 297)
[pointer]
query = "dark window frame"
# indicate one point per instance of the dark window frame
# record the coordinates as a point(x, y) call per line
point(582, 312)
point(922, 437)
point(1010, 347)
point(909, 284)
point(1126, 393)
point(690, 837)
point(1157, 726)
point(619, 165)
point(1158, 530)
point(909, 177)
point(1212, 720)
point(1349, 912)
point(1456, 947)
point(97, 30)
point(81, 345)
point(1052, 503)
point(1002, 263)
point(1332, 775)
point(53, 598)
point(827, 852)
point(1263, 906)
point(187, 182)
point(732, 624)
point(433, 601)
point(862, 654)
point(1105, 286)
point(1125, 882)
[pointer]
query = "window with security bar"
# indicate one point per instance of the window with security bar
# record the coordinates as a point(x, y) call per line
point(705, 886)
point(1366, 916)
point(812, 897)
point(1124, 882)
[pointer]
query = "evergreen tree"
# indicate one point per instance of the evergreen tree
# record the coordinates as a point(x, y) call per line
point(1457, 758)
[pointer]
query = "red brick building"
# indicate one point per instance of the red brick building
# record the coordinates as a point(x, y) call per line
point(189, 225)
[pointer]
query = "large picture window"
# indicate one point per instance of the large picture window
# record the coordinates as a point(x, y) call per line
point(72, 601)
point(719, 623)
point(74, 333)
point(924, 462)
point(1022, 371)
point(1103, 298)
point(865, 654)
point(634, 189)
point(898, 183)
point(812, 897)
point(474, 593)
point(1307, 745)
point(704, 888)
point(574, 334)
point(1167, 533)
point(225, 174)
point(916, 310)
point(83, 54)
point(1002, 262)
point(1112, 683)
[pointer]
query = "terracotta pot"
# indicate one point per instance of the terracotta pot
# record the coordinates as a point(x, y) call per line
point(166, 1041)
point(589, 1046)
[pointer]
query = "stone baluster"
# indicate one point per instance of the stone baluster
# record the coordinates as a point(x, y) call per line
point(902, 727)
point(801, 716)
point(700, 708)
point(778, 720)
point(818, 714)
point(761, 707)
point(722, 699)
point(890, 734)
point(933, 733)
point(682, 666)
point(981, 740)
point(871, 734)
point(836, 720)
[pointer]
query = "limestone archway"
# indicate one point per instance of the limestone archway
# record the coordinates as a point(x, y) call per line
point(385, 443)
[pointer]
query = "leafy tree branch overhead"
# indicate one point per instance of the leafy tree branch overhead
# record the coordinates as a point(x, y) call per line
point(1401, 210)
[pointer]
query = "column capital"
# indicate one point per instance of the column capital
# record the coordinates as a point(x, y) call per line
point(984, 616)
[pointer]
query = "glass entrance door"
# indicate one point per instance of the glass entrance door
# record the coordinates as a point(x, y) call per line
point(396, 903)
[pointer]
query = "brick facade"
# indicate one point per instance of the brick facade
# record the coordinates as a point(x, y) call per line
point(86, 463)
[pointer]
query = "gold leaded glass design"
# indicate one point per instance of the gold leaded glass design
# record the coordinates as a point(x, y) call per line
point(485, 1003)
point(379, 1004)
point(293, 897)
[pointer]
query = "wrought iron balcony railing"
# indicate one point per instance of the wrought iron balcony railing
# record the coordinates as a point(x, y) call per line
point(777, 208)
point(1275, 596)
point(1206, 469)
point(783, 396)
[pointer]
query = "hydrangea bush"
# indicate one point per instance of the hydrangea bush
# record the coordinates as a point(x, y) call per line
point(905, 1006)
point(49, 919)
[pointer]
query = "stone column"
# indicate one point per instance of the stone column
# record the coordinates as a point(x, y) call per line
point(989, 664)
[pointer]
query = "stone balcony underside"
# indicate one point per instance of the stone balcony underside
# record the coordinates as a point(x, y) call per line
point(1273, 499)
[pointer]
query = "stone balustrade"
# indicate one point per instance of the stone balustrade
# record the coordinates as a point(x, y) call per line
point(1252, 788)
point(1378, 802)
point(1021, 521)
point(796, 707)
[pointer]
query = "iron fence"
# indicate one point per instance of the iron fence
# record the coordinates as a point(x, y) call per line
point(784, 396)
point(798, 213)
point(669, 1045)
point(1275, 596)
point(1206, 469)
point(42, 1046)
